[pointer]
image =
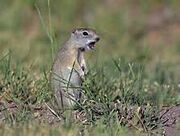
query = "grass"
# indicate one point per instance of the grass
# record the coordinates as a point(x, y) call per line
point(126, 99)
point(130, 79)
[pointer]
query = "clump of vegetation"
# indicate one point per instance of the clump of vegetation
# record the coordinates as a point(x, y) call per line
point(130, 99)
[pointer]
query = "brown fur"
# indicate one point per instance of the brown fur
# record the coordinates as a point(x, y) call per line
point(69, 68)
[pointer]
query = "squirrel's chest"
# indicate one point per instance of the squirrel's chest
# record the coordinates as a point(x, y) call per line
point(68, 64)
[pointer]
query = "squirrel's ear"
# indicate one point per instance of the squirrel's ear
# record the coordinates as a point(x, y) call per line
point(73, 31)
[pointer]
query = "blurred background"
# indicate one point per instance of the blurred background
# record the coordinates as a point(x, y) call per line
point(146, 31)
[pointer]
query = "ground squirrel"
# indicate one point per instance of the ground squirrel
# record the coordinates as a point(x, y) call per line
point(69, 66)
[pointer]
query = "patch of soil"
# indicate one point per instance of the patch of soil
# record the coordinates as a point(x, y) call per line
point(40, 113)
point(169, 117)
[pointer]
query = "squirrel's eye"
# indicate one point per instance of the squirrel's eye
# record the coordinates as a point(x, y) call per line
point(85, 33)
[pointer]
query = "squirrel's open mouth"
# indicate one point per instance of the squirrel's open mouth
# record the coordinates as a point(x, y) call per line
point(91, 45)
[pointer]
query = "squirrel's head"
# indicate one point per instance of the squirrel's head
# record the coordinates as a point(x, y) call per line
point(84, 38)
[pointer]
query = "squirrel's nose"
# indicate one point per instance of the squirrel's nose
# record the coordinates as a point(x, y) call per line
point(97, 39)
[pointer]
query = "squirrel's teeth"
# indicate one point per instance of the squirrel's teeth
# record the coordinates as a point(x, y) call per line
point(91, 45)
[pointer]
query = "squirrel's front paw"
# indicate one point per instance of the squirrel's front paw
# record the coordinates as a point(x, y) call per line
point(84, 69)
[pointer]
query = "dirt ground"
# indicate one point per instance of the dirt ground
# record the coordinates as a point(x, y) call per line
point(169, 116)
